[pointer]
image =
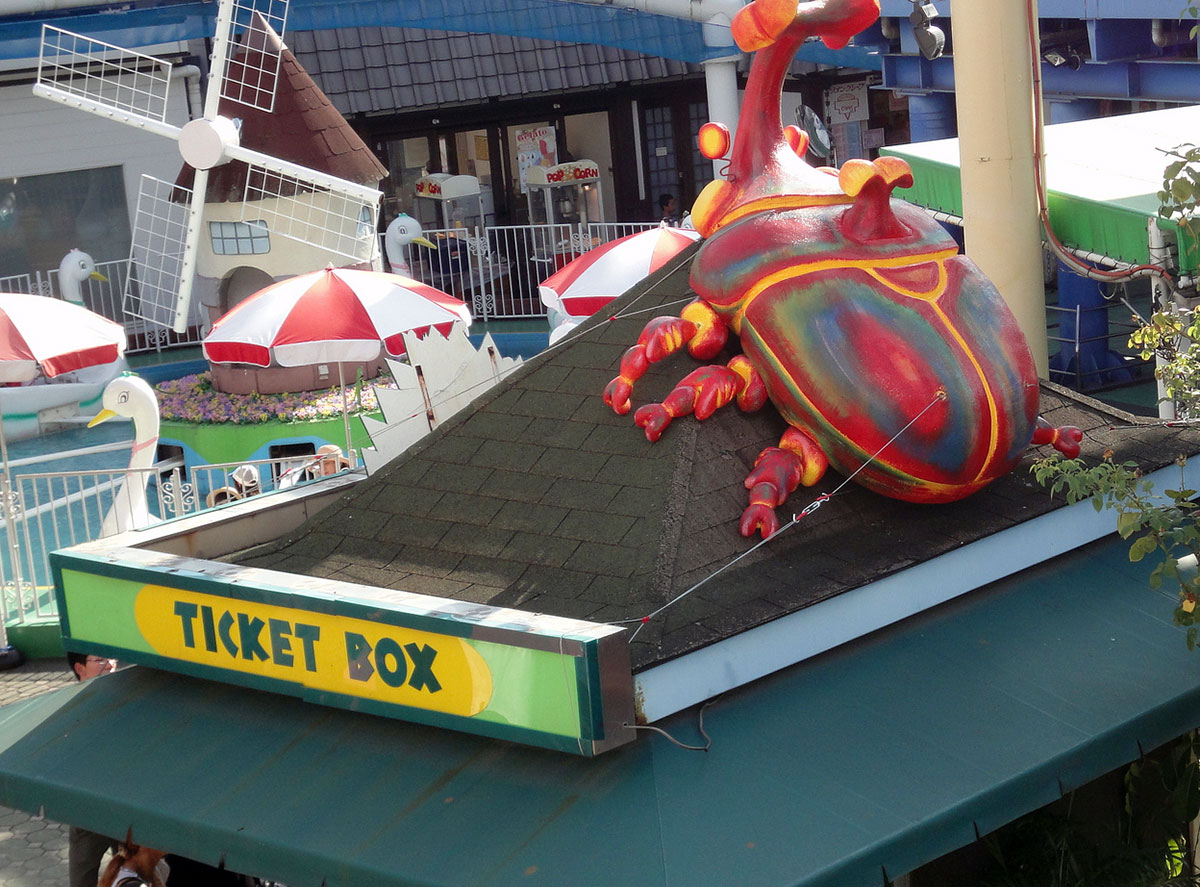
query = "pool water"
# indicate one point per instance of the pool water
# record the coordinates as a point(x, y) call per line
point(48, 530)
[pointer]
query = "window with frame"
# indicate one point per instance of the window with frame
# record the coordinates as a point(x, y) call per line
point(43, 216)
point(239, 238)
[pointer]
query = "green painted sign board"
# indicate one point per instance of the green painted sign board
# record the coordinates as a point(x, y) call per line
point(559, 683)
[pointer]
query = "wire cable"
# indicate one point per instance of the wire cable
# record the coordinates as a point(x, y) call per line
point(940, 395)
point(699, 726)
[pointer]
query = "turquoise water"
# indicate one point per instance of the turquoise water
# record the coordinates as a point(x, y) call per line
point(64, 526)
point(113, 431)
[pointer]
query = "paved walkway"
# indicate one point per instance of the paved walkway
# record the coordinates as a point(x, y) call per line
point(33, 852)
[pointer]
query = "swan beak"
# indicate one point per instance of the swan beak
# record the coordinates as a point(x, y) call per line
point(96, 275)
point(102, 416)
point(425, 241)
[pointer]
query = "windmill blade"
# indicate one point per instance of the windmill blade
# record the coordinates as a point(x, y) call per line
point(156, 254)
point(252, 79)
point(104, 79)
point(306, 205)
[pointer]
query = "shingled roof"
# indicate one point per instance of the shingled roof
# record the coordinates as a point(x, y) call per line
point(539, 497)
point(379, 70)
point(397, 70)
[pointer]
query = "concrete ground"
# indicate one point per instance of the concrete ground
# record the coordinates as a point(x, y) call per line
point(33, 850)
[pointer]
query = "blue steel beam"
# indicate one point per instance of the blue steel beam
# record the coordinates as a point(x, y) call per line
point(1080, 9)
point(1115, 39)
point(1153, 80)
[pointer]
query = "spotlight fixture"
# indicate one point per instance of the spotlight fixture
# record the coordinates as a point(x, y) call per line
point(930, 39)
point(1056, 58)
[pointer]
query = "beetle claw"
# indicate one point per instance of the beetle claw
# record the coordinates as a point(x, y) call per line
point(1065, 438)
point(760, 519)
point(654, 418)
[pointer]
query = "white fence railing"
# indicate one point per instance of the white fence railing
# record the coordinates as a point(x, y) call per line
point(106, 297)
point(51, 510)
point(495, 269)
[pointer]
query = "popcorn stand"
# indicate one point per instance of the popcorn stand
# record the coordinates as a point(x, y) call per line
point(568, 193)
point(449, 209)
point(445, 201)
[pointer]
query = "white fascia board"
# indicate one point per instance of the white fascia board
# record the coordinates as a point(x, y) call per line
point(688, 680)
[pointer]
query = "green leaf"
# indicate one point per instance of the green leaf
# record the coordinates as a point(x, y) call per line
point(1142, 547)
point(1127, 523)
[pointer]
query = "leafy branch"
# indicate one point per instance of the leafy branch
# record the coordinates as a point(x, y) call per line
point(1166, 523)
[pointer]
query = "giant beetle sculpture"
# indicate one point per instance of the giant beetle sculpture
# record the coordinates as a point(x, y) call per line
point(890, 355)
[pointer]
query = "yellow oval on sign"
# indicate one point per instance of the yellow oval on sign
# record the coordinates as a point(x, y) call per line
point(334, 654)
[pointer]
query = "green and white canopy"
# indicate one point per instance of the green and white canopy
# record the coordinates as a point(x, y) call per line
point(1103, 176)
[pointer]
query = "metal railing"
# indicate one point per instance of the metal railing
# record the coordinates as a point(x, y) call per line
point(106, 297)
point(1095, 362)
point(46, 511)
point(494, 269)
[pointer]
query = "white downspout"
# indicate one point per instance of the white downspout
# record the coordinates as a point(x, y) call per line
point(191, 74)
point(1160, 254)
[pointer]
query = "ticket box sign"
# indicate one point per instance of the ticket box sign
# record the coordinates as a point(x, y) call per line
point(560, 683)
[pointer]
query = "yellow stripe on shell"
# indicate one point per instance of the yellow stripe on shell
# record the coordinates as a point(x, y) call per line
point(940, 257)
point(866, 265)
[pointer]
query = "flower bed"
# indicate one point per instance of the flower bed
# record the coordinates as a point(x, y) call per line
point(193, 399)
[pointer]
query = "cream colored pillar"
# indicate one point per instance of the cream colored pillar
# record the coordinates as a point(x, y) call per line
point(994, 98)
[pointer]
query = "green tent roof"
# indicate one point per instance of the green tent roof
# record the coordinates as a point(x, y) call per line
point(1103, 177)
point(866, 761)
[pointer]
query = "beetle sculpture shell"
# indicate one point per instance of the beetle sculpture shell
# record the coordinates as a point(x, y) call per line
point(853, 340)
point(891, 356)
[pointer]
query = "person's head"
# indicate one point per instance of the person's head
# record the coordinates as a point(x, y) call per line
point(86, 666)
point(666, 203)
point(330, 460)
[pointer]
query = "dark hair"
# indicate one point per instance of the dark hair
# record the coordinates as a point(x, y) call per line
point(664, 199)
point(74, 659)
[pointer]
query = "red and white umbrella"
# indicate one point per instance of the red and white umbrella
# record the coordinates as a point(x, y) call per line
point(38, 333)
point(584, 286)
point(337, 315)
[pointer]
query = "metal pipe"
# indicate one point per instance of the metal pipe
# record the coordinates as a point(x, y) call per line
point(190, 73)
point(1158, 33)
point(21, 7)
point(693, 10)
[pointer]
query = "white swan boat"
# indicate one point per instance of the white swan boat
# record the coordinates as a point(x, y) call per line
point(55, 355)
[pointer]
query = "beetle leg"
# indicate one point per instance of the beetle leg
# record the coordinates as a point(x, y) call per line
point(698, 327)
point(702, 392)
point(1064, 438)
point(777, 472)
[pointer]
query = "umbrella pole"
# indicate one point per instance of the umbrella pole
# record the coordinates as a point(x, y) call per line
point(345, 414)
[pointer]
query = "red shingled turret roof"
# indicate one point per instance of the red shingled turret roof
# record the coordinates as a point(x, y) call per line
point(303, 128)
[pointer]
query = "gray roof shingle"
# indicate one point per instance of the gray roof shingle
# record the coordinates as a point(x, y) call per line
point(538, 496)
point(462, 66)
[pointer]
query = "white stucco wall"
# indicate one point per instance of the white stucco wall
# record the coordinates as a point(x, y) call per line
point(38, 136)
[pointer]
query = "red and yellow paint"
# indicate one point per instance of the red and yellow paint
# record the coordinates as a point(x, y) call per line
point(891, 356)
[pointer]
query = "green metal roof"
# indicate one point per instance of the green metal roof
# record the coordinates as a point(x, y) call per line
point(871, 759)
point(1103, 178)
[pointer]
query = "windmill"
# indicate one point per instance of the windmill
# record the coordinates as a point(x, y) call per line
point(277, 197)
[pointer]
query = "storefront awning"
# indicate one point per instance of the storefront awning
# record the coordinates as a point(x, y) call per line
point(861, 763)
point(1103, 177)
